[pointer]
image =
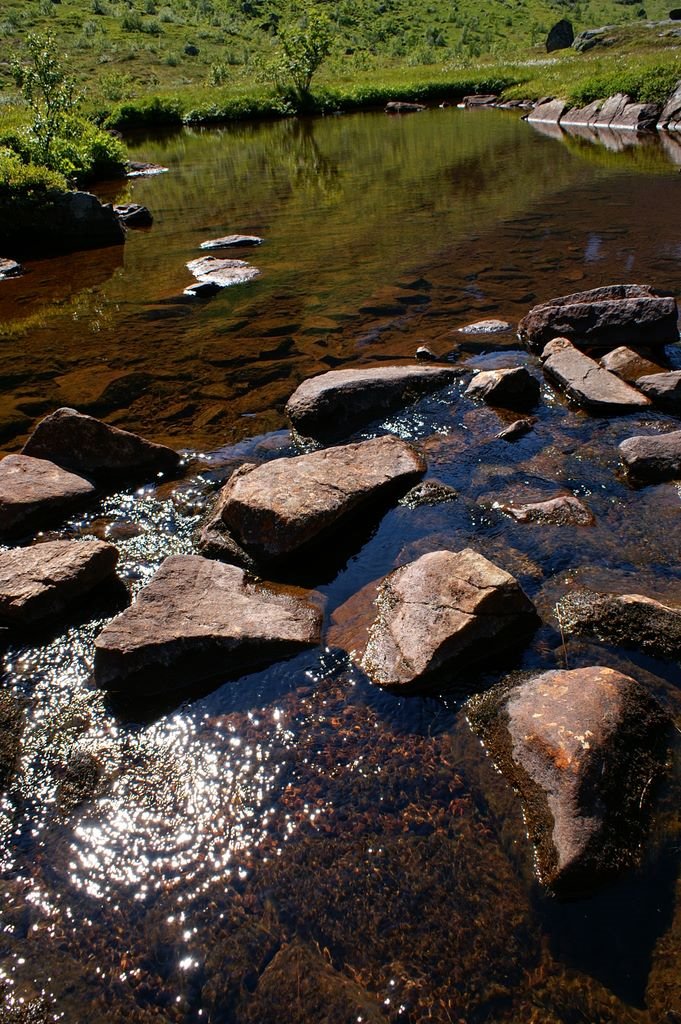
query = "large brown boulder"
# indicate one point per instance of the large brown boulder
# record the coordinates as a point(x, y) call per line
point(34, 492)
point(588, 384)
point(629, 365)
point(583, 748)
point(87, 445)
point(441, 612)
point(631, 620)
point(276, 509)
point(45, 579)
point(630, 314)
point(197, 619)
point(652, 458)
point(336, 403)
point(664, 389)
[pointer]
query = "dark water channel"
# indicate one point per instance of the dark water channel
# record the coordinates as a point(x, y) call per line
point(298, 845)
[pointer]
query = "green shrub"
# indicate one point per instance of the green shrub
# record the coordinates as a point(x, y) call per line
point(20, 181)
point(154, 112)
point(82, 152)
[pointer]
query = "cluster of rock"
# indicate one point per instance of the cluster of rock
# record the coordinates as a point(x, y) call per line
point(616, 112)
point(214, 614)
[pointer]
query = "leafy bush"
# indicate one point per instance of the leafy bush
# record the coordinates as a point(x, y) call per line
point(81, 152)
point(20, 181)
point(305, 38)
point(48, 89)
point(155, 111)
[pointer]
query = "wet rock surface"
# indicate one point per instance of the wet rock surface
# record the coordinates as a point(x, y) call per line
point(651, 458)
point(134, 215)
point(34, 491)
point(96, 449)
point(12, 722)
point(232, 242)
point(587, 383)
point(514, 431)
point(604, 317)
point(440, 612)
point(283, 505)
point(583, 747)
point(565, 510)
point(336, 403)
point(629, 365)
point(196, 619)
point(211, 271)
point(514, 388)
point(631, 620)
point(74, 220)
point(664, 389)
point(43, 580)
point(487, 327)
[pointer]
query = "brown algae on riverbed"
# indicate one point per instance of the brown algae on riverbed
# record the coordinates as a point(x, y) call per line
point(298, 841)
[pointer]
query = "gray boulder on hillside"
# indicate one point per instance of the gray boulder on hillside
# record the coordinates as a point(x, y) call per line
point(198, 618)
point(561, 36)
point(336, 403)
point(582, 747)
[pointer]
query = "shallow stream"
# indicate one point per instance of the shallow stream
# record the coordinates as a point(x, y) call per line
point(298, 844)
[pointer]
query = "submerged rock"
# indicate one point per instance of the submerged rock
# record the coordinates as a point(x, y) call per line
point(35, 491)
point(196, 619)
point(565, 510)
point(133, 215)
point(45, 579)
point(664, 389)
point(429, 492)
point(231, 242)
point(587, 383)
point(513, 388)
point(517, 429)
point(12, 723)
point(630, 620)
point(401, 107)
point(583, 748)
point(441, 612)
point(283, 505)
point(220, 273)
point(487, 327)
point(336, 403)
point(89, 446)
point(652, 458)
point(606, 317)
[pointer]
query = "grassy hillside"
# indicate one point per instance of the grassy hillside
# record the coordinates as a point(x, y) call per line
point(125, 49)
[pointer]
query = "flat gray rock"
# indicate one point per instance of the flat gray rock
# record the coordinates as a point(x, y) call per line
point(279, 507)
point(587, 383)
point(664, 389)
point(231, 242)
point(442, 611)
point(548, 112)
point(606, 317)
point(336, 403)
point(45, 579)
point(197, 619)
point(652, 458)
point(220, 272)
point(513, 388)
point(631, 620)
point(486, 327)
point(583, 748)
point(35, 491)
point(96, 449)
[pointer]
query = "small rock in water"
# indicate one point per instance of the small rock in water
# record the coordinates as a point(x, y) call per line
point(513, 388)
point(197, 619)
point(631, 314)
point(425, 354)
point(441, 612)
point(587, 383)
point(429, 492)
point(133, 215)
point(565, 510)
point(221, 273)
point(45, 579)
point(401, 107)
point(486, 327)
point(231, 242)
point(283, 505)
point(139, 169)
point(631, 620)
point(629, 365)
point(517, 429)
point(583, 748)
point(334, 404)
point(652, 458)
point(89, 446)
point(35, 491)
point(664, 389)
point(10, 268)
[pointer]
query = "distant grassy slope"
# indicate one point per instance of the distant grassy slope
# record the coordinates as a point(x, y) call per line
point(207, 55)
